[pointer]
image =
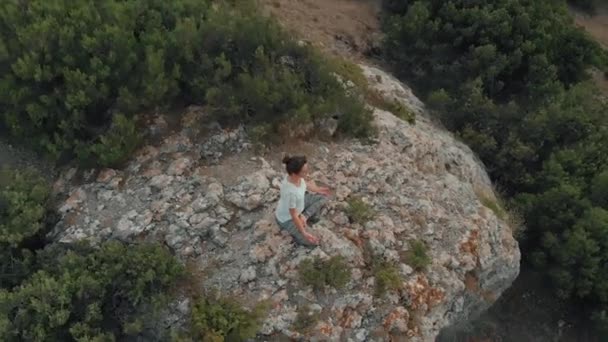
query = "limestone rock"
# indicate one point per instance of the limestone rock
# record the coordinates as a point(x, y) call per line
point(421, 182)
point(252, 192)
point(248, 275)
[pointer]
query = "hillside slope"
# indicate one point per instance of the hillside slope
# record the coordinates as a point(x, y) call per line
point(343, 27)
point(212, 202)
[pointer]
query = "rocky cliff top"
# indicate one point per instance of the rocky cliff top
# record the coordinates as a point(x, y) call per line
point(212, 200)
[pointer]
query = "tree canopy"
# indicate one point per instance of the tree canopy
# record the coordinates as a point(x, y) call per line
point(510, 78)
point(74, 73)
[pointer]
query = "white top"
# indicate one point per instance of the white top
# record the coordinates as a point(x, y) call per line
point(291, 197)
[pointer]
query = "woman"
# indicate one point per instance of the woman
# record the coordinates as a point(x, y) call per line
point(299, 202)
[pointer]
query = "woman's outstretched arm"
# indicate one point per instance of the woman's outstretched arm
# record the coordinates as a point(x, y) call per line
point(313, 187)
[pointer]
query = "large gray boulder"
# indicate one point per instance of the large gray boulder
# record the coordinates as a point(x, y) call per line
point(422, 183)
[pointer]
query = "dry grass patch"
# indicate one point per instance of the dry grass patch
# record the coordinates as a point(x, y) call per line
point(503, 212)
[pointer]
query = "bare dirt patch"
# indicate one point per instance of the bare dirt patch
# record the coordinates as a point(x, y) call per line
point(235, 165)
point(596, 25)
point(340, 27)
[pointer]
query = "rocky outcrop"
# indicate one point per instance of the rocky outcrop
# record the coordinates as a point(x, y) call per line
point(212, 202)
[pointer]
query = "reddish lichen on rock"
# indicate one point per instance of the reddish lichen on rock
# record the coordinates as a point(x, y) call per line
point(471, 244)
point(422, 295)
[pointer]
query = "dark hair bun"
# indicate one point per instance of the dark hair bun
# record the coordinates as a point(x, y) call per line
point(293, 165)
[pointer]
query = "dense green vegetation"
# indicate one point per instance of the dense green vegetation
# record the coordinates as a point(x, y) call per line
point(510, 77)
point(23, 199)
point(75, 73)
point(506, 50)
point(23, 196)
point(221, 319)
point(358, 211)
point(386, 275)
point(89, 294)
point(417, 255)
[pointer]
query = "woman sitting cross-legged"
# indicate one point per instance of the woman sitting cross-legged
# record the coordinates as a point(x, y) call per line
point(300, 202)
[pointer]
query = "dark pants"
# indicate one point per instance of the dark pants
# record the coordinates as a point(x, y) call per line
point(312, 207)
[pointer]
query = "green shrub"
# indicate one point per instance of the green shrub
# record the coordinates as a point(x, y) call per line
point(417, 256)
point(348, 71)
point(378, 100)
point(94, 58)
point(488, 65)
point(401, 111)
point(99, 59)
point(280, 81)
point(23, 207)
point(84, 293)
point(306, 319)
point(387, 276)
point(320, 273)
point(355, 120)
point(439, 100)
point(115, 146)
point(580, 254)
point(73, 292)
point(225, 320)
point(536, 49)
point(23, 197)
point(358, 211)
